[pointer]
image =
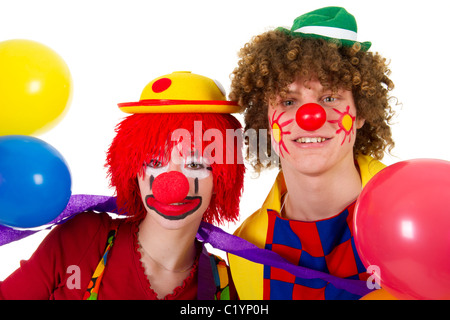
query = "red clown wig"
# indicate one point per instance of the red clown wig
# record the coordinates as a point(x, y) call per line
point(143, 137)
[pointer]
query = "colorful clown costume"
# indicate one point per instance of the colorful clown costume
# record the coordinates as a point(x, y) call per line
point(81, 242)
point(322, 245)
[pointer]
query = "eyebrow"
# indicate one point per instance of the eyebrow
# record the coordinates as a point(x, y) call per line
point(293, 92)
point(296, 92)
point(321, 92)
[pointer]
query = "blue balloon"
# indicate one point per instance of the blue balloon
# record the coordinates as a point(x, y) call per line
point(35, 182)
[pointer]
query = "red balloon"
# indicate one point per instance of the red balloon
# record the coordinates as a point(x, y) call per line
point(402, 227)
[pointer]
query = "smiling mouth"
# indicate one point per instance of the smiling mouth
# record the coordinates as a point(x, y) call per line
point(174, 211)
point(311, 140)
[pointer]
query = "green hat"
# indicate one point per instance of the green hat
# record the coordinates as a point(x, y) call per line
point(327, 23)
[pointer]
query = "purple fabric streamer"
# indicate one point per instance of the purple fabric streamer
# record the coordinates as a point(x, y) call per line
point(76, 204)
point(222, 240)
point(215, 236)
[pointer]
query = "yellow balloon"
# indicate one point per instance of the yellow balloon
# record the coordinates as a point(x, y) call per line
point(35, 87)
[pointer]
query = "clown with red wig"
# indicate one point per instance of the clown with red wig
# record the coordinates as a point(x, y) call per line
point(174, 162)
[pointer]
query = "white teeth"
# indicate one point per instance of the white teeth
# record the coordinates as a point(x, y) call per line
point(310, 140)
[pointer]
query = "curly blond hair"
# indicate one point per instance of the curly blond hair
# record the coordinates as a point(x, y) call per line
point(274, 59)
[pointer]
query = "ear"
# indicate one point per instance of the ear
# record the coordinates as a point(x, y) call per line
point(359, 123)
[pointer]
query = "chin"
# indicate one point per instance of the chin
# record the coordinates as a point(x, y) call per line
point(312, 164)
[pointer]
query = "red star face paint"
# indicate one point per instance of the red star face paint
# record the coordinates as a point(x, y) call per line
point(345, 123)
point(278, 133)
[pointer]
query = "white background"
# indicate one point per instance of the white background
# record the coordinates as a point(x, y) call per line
point(114, 48)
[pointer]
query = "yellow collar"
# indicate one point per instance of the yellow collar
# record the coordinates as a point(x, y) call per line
point(368, 167)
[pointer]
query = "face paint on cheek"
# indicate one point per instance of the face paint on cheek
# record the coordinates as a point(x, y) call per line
point(196, 185)
point(152, 178)
point(345, 123)
point(278, 132)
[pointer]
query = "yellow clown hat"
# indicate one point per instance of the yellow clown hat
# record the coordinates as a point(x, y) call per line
point(182, 92)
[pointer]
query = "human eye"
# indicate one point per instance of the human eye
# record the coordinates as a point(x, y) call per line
point(329, 99)
point(155, 167)
point(288, 103)
point(154, 164)
point(196, 168)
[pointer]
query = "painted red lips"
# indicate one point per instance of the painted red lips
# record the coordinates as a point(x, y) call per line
point(174, 211)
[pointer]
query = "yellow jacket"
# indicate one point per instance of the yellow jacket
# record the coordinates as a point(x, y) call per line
point(247, 275)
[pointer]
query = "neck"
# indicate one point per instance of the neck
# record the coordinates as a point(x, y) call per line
point(172, 250)
point(321, 196)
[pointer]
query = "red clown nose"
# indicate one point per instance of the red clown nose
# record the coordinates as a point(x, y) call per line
point(170, 187)
point(310, 116)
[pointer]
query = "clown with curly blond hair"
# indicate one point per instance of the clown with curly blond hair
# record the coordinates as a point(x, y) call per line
point(322, 99)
